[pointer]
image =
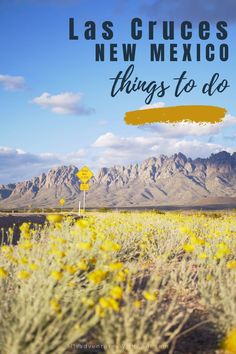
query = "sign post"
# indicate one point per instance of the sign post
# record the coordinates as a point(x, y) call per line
point(62, 202)
point(84, 201)
point(84, 174)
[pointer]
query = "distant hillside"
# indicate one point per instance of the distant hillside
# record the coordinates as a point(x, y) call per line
point(175, 180)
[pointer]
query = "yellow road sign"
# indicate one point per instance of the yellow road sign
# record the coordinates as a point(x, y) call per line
point(84, 187)
point(62, 201)
point(84, 174)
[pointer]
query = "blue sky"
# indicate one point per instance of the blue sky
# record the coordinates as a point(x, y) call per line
point(55, 104)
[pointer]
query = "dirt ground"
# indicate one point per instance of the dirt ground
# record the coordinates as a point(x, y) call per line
point(10, 220)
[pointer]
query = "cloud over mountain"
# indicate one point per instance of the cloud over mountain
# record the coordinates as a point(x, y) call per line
point(17, 165)
point(119, 150)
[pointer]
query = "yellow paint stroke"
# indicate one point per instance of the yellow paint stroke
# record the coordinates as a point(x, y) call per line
point(176, 114)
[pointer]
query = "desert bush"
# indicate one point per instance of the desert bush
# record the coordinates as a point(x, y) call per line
point(118, 278)
point(148, 319)
point(218, 293)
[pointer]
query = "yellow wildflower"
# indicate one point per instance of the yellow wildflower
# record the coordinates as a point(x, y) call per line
point(109, 303)
point(110, 246)
point(77, 328)
point(209, 277)
point(82, 265)
point(12, 259)
point(25, 230)
point(229, 343)
point(71, 284)
point(83, 245)
point(197, 241)
point(87, 301)
point(120, 276)
point(58, 226)
point(23, 274)
point(10, 231)
point(184, 230)
point(6, 249)
point(116, 292)
point(202, 256)
point(33, 266)
point(71, 269)
point(150, 296)
point(3, 273)
point(137, 304)
point(61, 240)
point(115, 266)
point(23, 260)
point(231, 264)
point(221, 253)
point(57, 253)
point(54, 218)
point(81, 223)
point(55, 305)
point(97, 276)
point(187, 247)
point(26, 245)
point(99, 311)
point(24, 227)
point(57, 275)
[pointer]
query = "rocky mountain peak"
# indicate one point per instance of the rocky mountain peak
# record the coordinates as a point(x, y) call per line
point(222, 157)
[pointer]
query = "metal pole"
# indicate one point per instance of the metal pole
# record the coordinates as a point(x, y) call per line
point(79, 208)
point(84, 201)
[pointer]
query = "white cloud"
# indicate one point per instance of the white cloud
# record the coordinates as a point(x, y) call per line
point(154, 105)
point(183, 129)
point(112, 149)
point(193, 148)
point(65, 103)
point(17, 165)
point(12, 83)
point(108, 140)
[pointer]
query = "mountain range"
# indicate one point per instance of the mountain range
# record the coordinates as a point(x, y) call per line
point(162, 180)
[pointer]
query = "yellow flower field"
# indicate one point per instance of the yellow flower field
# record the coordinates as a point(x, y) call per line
point(126, 282)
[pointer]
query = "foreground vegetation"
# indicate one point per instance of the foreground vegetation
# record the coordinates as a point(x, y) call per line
point(121, 282)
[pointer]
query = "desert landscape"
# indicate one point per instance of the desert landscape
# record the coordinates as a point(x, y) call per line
point(160, 181)
point(117, 177)
point(148, 267)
